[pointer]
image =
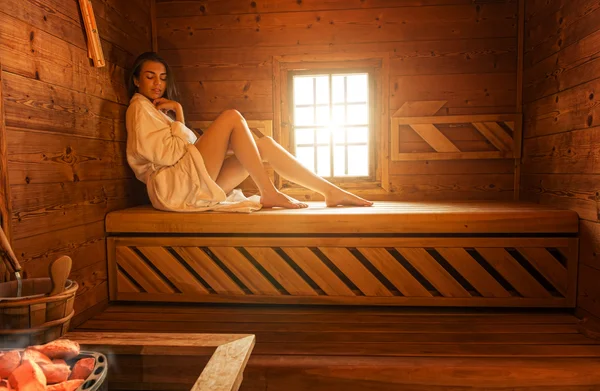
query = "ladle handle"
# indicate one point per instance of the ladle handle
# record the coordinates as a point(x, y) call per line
point(59, 272)
point(7, 253)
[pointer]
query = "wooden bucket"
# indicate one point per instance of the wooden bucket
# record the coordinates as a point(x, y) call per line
point(35, 317)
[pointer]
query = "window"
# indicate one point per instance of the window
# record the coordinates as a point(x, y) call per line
point(331, 110)
point(331, 123)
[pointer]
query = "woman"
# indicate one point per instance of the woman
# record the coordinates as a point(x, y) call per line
point(187, 173)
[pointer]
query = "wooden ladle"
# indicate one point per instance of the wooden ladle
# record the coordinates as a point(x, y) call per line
point(59, 272)
point(7, 253)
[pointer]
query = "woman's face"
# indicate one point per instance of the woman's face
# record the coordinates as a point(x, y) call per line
point(152, 82)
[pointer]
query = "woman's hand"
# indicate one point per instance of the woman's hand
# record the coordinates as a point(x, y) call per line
point(166, 105)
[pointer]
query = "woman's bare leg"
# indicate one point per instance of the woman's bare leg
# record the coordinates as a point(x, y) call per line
point(289, 167)
point(231, 175)
point(230, 130)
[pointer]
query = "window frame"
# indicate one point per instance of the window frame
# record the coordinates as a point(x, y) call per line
point(377, 65)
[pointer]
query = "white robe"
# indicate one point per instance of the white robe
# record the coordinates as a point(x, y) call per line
point(162, 154)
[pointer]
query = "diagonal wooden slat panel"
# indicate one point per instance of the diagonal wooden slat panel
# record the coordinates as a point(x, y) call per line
point(318, 271)
point(495, 134)
point(570, 252)
point(546, 264)
point(419, 108)
point(140, 272)
point(433, 272)
point(456, 119)
point(510, 124)
point(355, 271)
point(413, 156)
point(281, 271)
point(124, 285)
point(513, 272)
point(244, 270)
point(505, 138)
point(394, 272)
point(208, 270)
point(473, 272)
point(173, 270)
point(567, 253)
point(434, 137)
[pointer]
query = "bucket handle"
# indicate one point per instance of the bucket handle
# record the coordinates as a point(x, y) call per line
point(9, 257)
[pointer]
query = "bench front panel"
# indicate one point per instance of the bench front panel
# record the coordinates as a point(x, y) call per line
point(369, 270)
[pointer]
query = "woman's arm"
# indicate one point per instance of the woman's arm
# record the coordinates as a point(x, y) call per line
point(179, 113)
point(167, 105)
point(157, 142)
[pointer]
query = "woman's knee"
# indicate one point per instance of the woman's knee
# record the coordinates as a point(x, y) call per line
point(233, 115)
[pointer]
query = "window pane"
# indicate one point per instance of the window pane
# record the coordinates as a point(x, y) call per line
point(339, 136)
point(358, 115)
point(323, 162)
point(338, 89)
point(358, 161)
point(304, 116)
point(323, 115)
point(322, 89)
point(339, 162)
point(306, 156)
point(323, 136)
point(305, 136)
point(339, 115)
point(358, 135)
point(357, 86)
point(303, 90)
point(338, 112)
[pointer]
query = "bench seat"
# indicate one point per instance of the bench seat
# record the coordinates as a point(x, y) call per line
point(395, 253)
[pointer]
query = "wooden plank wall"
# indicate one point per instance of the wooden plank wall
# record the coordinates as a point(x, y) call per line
point(65, 131)
point(456, 50)
point(561, 160)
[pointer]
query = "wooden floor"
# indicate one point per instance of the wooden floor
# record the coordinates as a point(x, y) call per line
point(352, 348)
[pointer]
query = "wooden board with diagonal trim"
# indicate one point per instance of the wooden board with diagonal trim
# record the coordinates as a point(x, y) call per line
point(500, 132)
point(395, 253)
point(476, 271)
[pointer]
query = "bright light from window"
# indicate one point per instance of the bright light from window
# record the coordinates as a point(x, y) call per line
point(331, 123)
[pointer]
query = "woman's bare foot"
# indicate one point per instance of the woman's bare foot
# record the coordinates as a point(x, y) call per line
point(278, 199)
point(342, 197)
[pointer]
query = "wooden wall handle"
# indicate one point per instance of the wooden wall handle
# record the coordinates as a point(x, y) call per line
point(91, 29)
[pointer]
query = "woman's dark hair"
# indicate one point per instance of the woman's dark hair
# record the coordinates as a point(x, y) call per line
point(171, 90)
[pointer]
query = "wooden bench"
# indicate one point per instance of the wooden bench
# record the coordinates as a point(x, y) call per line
point(395, 253)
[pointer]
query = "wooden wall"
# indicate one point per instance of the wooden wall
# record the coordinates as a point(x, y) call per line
point(65, 131)
point(561, 158)
point(451, 50)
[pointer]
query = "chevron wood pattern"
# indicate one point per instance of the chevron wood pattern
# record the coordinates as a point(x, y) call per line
point(402, 271)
